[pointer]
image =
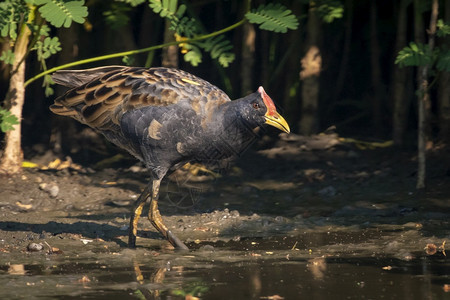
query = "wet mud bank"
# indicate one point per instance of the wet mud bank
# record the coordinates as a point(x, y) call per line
point(299, 218)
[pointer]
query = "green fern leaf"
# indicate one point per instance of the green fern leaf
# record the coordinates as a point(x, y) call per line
point(44, 31)
point(226, 58)
point(47, 47)
point(7, 57)
point(47, 84)
point(128, 60)
point(185, 26)
point(330, 10)
point(193, 56)
point(7, 120)
point(273, 17)
point(60, 13)
point(219, 48)
point(134, 3)
point(443, 29)
point(11, 13)
point(165, 8)
point(414, 55)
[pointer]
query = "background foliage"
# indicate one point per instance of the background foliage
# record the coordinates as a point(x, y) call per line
point(66, 31)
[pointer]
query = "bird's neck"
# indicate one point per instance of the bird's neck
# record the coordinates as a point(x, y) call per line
point(239, 132)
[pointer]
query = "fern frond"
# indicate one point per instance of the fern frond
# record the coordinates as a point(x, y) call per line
point(7, 57)
point(10, 16)
point(47, 85)
point(273, 17)
point(226, 58)
point(185, 26)
point(330, 10)
point(165, 8)
point(47, 47)
point(133, 3)
point(414, 55)
point(7, 120)
point(443, 28)
point(193, 54)
point(219, 48)
point(60, 13)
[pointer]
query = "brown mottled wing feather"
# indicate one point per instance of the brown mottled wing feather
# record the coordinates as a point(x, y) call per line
point(76, 78)
point(106, 93)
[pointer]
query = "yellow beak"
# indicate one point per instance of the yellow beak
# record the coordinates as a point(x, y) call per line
point(276, 120)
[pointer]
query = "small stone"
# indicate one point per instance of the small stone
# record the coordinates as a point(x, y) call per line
point(328, 191)
point(53, 191)
point(86, 241)
point(35, 247)
point(234, 213)
point(206, 248)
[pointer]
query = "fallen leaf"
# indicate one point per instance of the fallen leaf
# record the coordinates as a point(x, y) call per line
point(17, 269)
point(24, 206)
point(430, 249)
point(55, 250)
point(388, 268)
point(84, 279)
point(29, 164)
point(54, 164)
point(274, 297)
point(110, 183)
point(446, 287)
point(86, 241)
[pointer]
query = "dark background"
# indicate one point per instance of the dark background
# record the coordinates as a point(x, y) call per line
point(275, 65)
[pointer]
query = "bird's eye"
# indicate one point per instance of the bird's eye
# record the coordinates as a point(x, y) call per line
point(255, 105)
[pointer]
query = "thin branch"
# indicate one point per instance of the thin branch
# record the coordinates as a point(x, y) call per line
point(133, 52)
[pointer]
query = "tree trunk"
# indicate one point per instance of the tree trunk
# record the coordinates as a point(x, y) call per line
point(340, 79)
point(377, 86)
point(399, 78)
point(169, 54)
point(311, 67)
point(444, 91)
point(11, 161)
point(424, 97)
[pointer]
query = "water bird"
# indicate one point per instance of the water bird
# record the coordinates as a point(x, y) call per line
point(166, 118)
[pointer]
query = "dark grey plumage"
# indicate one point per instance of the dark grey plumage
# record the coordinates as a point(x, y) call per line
point(164, 117)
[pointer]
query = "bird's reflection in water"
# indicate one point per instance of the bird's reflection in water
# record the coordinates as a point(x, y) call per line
point(166, 281)
point(155, 280)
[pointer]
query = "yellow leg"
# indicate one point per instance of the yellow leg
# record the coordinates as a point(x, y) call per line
point(155, 218)
point(135, 215)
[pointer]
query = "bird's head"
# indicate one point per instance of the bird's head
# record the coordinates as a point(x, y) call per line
point(258, 109)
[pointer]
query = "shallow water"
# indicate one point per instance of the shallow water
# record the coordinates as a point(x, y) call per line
point(345, 264)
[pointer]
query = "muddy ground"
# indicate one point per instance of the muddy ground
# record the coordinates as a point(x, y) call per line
point(317, 188)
